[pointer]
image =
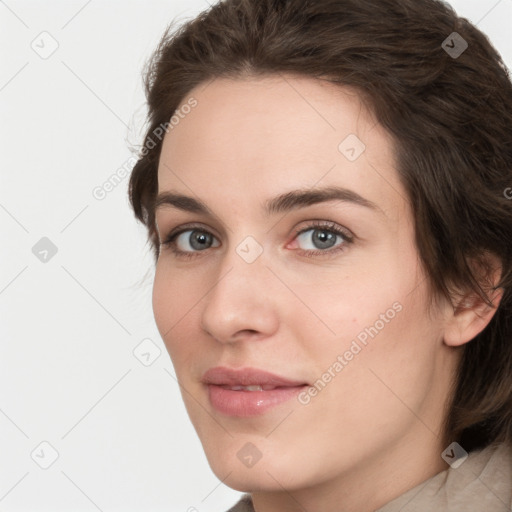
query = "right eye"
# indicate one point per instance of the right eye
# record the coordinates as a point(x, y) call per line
point(188, 242)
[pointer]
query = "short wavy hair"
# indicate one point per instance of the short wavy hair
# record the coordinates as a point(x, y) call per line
point(450, 118)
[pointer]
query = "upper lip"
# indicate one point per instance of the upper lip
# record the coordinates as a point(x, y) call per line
point(223, 376)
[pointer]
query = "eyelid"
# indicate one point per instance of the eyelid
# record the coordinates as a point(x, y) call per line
point(327, 225)
point(186, 227)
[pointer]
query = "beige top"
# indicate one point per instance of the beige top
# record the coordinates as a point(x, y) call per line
point(482, 483)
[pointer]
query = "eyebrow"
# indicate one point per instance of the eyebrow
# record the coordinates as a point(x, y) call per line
point(286, 202)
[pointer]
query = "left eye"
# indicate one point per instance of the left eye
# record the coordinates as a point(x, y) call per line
point(320, 238)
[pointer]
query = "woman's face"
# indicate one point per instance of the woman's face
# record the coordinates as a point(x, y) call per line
point(322, 289)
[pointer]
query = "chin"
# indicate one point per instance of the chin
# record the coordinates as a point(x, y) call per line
point(249, 481)
point(271, 472)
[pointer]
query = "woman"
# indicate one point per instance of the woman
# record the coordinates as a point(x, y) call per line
point(324, 185)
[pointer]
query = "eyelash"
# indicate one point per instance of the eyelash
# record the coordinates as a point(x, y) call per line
point(330, 227)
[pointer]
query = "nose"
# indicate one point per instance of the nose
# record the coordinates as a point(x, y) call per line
point(242, 303)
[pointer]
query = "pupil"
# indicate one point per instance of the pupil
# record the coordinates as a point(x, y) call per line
point(323, 238)
point(200, 239)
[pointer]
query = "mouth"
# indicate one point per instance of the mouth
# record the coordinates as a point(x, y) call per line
point(256, 387)
point(248, 391)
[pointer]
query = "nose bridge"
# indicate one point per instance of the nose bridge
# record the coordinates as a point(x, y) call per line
point(239, 299)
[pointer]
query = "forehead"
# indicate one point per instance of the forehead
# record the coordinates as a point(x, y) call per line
point(262, 136)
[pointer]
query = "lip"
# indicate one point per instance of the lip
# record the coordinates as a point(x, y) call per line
point(221, 375)
point(245, 403)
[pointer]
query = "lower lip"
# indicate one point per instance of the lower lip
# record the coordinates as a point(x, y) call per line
point(249, 403)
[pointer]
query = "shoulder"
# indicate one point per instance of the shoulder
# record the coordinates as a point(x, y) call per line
point(243, 505)
point(483, 481)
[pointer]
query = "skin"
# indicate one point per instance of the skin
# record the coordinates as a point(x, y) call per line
point(375, 430)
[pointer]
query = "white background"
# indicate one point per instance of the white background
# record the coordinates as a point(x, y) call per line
point(69, 326)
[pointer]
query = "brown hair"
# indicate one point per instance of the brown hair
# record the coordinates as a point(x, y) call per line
point(450, 117)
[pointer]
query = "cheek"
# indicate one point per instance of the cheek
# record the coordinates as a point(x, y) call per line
point(378, 323)
point(163, 301)
point(354, 306)
point(173, 308)
point(396, 345)
point(371, 393)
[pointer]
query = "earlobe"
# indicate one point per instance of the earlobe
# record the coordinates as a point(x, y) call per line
point(470, 317)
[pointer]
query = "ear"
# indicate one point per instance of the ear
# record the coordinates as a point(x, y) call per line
point(471, 314)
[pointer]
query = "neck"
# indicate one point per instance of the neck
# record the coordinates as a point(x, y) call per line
point(369, 486)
